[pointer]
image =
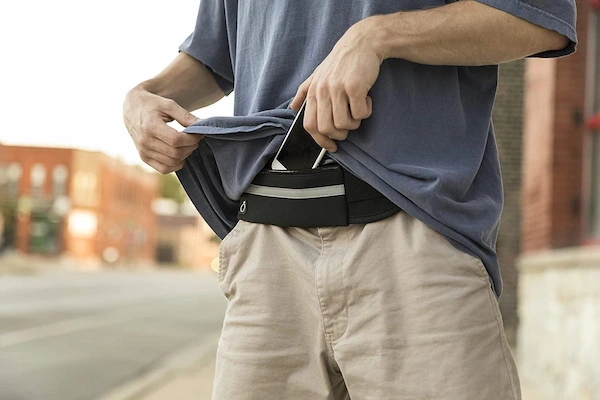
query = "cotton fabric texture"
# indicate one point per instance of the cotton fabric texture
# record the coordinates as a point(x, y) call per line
point(429, 145)
point(384, 310)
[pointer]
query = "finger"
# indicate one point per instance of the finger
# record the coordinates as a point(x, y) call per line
point(163, 169)
point(161, 158)
point(360, 107)
point(173, 137)
point(310, 125)
point(180, 114)
point(342, 118)
point(179, 166)
point(301, 94)
point(154, 145)
point(325, 142)
point(178, 153)
point(325, 121)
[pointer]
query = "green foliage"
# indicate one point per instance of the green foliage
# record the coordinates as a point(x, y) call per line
point(170, 188)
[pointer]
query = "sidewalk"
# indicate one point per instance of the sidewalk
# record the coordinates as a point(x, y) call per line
point(192, 384)
point(186, 375)
point(13, 263)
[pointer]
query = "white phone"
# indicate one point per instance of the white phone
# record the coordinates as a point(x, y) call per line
point(298, 150)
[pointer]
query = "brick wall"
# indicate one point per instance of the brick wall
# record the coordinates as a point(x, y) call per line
point(27, 157)
point(118, 195)
point(128, 222)
point(537, 153)
point(558, 333)
point(553, 147)
point(569, 132)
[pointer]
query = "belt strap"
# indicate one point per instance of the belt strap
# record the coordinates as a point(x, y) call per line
point(325, 196)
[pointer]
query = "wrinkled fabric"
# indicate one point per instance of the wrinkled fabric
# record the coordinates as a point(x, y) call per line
point(385, 326)
point(428, 146)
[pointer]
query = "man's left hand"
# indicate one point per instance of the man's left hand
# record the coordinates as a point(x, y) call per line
point(336, 92)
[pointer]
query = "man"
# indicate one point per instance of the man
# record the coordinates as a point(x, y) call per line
point(400, 93)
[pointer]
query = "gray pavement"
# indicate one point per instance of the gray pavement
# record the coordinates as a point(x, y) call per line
point(78, 336)
point(185, 375)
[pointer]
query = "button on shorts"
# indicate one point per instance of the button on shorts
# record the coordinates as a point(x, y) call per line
point(378, 311)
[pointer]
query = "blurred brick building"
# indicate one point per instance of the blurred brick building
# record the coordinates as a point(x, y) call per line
point(559, 279)
point(184, 239)
point(78, 204)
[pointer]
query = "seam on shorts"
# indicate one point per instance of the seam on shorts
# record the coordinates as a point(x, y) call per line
point(232, 233)
point(327, 335)
point(221, 257)
point(476, 261)
point(485, 276)
point(511, 378)
point(344, 287)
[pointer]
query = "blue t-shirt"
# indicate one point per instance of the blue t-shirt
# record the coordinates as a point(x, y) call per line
point(428, 146)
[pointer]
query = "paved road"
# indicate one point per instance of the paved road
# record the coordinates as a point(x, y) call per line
point(75, 336)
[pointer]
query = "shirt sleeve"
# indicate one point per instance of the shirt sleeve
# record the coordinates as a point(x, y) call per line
point(557, 15)
point(209, 43)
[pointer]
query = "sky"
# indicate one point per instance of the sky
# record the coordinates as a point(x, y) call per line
point(66, 66)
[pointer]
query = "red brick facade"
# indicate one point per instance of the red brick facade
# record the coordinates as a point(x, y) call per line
point(109, 204)
point(554, 137)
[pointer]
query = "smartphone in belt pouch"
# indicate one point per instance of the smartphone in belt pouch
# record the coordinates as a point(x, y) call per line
point(298, 150)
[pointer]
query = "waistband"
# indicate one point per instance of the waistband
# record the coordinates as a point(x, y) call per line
point(328, 195)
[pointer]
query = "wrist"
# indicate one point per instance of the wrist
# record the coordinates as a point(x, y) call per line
point(150, 86)
point(379, 29)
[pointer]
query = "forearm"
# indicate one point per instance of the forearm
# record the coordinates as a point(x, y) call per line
point(187, 81)
point(461, 33)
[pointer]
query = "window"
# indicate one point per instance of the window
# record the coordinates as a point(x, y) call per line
point(13, 175)
point(38, 178)
point(59, 179)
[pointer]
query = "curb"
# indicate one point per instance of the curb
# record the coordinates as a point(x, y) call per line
point(194, 356)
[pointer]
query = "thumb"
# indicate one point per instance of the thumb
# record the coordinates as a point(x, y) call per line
point(301, 94)
point(181, 115)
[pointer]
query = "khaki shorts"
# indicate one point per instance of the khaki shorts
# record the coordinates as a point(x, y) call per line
point(385, 310)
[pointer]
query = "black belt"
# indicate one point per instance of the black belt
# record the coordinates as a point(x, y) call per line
point(325, 196)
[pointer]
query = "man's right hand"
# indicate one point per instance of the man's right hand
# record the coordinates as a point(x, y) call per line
point(160, 146)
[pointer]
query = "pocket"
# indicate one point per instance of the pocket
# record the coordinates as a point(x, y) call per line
point(444, 246)
point(226, 247)
point(476, 261)
point(232, 232)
